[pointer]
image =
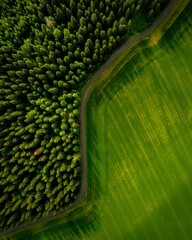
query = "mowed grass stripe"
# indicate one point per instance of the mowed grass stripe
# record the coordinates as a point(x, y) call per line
point(122, 173)
point(123, 196)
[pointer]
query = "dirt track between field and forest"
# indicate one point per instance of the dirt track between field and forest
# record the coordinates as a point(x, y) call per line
point(116, 54)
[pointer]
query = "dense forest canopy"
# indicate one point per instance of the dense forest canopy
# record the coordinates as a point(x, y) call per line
point(48, 48)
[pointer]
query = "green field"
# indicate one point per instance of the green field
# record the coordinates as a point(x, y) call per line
point(141, 127)
point(139, 145)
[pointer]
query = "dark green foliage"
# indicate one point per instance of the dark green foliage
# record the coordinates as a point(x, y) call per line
point(47, 51)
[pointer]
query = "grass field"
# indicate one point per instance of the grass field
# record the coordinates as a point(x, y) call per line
point(139, 147)
point(142, 129)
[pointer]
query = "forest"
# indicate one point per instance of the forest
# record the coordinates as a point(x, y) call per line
point(48, 51)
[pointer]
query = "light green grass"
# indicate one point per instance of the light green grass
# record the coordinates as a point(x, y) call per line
point(139, 147)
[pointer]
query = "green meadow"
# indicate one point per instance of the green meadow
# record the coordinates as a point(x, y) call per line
point(141, 127)
point(138, 145)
